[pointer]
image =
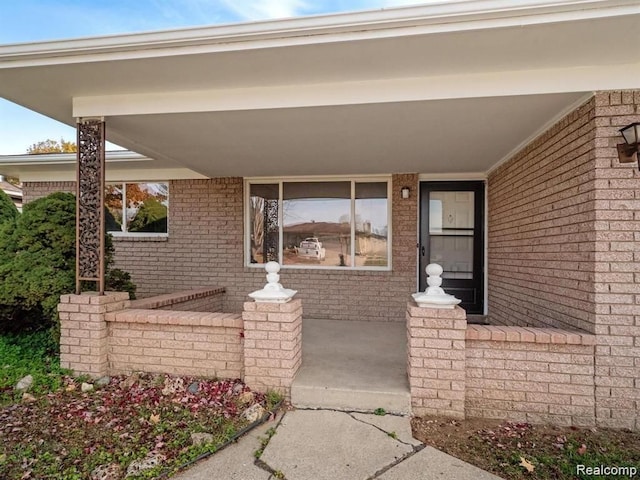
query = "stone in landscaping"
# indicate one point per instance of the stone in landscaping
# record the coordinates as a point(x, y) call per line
point(246, 398)
point(25, 383)
point(253, 413)
point(201, 438)
point(238, 388)
point(107, 472)
point(86, 387)
point(130, 381)
point(147, 463)
point(28, 398)
point(193, 388)
point(103, 381)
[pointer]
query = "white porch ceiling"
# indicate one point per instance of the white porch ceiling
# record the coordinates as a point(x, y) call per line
point(448, 88)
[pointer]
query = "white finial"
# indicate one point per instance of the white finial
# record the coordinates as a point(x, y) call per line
point(273, 291)
point(434, 296)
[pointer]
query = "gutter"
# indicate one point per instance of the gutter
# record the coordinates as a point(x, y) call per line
point(440, 17)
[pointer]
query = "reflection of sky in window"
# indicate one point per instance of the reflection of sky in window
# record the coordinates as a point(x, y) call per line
point(435, 216)
point(373, 210)
point(315, 209)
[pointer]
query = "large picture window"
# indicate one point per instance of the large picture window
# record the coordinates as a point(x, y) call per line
point(335, 224)
point(134, 208)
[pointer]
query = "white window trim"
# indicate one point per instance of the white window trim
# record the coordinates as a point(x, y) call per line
point(248, 181)
point(122, 234)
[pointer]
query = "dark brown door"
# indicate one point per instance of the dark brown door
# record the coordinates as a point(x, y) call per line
point(452, 235)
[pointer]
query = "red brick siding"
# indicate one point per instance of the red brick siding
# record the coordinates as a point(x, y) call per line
point(542, 207)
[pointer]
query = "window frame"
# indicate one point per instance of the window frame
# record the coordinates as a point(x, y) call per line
point(127, 234)
point(280, 181)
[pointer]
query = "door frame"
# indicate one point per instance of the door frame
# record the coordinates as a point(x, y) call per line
point(479, 187)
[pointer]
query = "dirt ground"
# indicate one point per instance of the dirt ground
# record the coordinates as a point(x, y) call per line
point(521, 450)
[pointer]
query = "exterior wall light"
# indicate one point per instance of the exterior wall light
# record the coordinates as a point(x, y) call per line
point(405, 191)
point(629, 151)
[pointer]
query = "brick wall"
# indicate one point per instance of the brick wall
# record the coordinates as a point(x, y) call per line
point(542, 208)
point(564, 227)
point(197, 300)
point(34, 190)
point(617, 275)
point(205, 246)
point(530, 375)
point(180, 343)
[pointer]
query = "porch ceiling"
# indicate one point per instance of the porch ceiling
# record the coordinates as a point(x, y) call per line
point(438, 136)
point(445, 88)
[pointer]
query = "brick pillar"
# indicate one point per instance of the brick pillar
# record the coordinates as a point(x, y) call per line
point(436, 363)
point(272, 345)
point(83, 330)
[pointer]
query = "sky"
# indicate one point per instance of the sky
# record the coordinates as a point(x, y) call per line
point(40, 20)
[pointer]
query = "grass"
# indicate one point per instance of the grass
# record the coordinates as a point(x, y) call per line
point(34, 354)
point(66, 434)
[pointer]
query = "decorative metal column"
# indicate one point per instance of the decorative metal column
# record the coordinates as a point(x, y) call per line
point(90, 203)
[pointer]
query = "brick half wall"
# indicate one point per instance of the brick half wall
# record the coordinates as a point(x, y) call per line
point(532, 375)
point(180, 343)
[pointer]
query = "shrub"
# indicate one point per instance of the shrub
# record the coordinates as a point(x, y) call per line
point(8, 211)
point(37, 263)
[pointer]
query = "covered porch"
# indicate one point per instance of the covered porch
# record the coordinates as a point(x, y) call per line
point(526, 100)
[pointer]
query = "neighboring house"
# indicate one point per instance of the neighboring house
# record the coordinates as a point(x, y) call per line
point(14, 192)
point(479, 135)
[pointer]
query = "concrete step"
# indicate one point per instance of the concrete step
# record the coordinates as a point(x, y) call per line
point(314, 396)
point(351, 365)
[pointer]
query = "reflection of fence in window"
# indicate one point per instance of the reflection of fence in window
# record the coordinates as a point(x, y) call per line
point(263, 220)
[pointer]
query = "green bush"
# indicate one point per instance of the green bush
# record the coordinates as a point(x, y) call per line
point(8, 211)
point(37, 264)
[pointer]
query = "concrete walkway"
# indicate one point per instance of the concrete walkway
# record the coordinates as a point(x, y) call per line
point(333, 445)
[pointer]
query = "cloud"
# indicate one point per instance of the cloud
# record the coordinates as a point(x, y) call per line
point(266, 9)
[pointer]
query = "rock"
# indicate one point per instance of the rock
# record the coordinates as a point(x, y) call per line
point(28, 398)
point(238, 388)
point(24, 384)
point(194, 387)
point(254, 413)
point(130, 381)
point(86, 387)
point(246, 398)
point(147, 463)
point(107, 472)
point(201, 438)
point(103, 381)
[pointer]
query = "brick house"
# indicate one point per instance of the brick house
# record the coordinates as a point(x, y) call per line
point(478, 135)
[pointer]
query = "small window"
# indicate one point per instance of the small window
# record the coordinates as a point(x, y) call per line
point(335, 224)
point(136, 208)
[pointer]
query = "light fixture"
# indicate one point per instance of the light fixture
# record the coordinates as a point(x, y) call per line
point(629, 151)
point(404, 191)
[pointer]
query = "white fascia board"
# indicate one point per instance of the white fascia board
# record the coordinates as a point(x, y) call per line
point(64, 158)
point(395, 22)
point(494, 84)
point(113, 175)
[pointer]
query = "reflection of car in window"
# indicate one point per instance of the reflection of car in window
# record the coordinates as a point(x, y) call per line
point(311, 247)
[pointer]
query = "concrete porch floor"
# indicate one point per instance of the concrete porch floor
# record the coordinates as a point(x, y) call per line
point(353, 365)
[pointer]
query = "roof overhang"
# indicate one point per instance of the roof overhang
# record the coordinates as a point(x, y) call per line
point(445, 88)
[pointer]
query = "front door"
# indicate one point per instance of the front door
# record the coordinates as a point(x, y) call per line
point(452, 235)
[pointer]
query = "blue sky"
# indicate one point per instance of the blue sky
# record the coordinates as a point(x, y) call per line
point(39, 20)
